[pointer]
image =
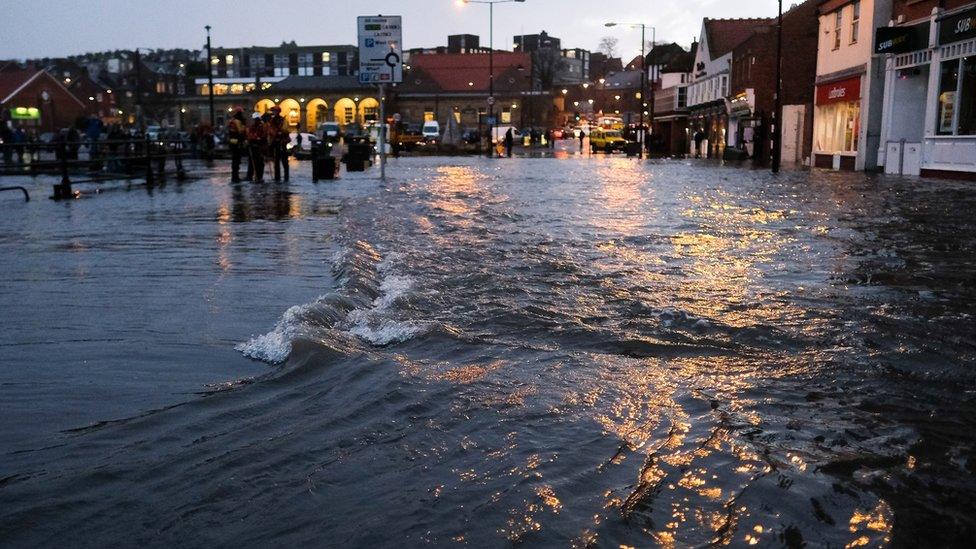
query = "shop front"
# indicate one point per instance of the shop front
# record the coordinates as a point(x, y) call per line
point(950, 148)
point(907, 76)
point(711, 119)
point(837, 124)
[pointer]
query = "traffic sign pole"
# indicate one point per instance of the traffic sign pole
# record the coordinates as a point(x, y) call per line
point(383, 132)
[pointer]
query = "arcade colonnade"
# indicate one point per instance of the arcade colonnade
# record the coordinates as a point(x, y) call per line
point(306, 113)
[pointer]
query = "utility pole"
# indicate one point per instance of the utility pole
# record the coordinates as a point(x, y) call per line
point(491, 77)
point(778, 105)
point(137, 61)
point(210, 80)
point(643, 97)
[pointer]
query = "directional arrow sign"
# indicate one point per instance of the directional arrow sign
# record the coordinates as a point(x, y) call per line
point(380, 49)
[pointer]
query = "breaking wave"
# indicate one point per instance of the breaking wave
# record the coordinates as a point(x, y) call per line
point(362, 307)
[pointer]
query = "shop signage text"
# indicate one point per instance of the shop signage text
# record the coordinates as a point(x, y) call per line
point(842, 90)
point(901, 39)
point(957, 27)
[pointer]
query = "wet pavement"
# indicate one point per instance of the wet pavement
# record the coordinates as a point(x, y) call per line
point(563, 351)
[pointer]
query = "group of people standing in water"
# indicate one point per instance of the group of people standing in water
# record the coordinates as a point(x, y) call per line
point(265, 137)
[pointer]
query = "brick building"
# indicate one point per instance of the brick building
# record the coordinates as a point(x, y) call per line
point(752, 92)
point(441, 86)
point(33, 98)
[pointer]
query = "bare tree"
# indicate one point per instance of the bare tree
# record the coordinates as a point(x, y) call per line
point(608, 45)
point(547, 63)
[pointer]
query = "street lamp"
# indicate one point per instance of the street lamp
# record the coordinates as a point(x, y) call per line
point(778, 106)
point(491, 60)
point(210, 69)
point(643, 92)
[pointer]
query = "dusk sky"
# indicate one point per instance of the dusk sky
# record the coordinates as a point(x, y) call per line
point(39, 29)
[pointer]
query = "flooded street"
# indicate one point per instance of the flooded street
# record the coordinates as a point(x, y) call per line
point(538, 351)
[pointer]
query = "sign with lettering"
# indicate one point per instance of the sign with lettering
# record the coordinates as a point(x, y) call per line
point(958, 27)
point(901, 39)
point(840, 91)
point(380, 49)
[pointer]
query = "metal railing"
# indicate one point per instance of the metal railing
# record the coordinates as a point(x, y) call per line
point(103, 160)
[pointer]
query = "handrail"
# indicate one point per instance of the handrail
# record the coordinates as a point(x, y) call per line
point(17, 188)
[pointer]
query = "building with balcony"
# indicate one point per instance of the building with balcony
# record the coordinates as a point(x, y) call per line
point(670, 69)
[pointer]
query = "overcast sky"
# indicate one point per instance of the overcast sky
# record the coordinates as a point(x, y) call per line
point(62, 27)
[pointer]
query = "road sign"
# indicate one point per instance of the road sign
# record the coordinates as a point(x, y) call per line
point(491, 100)
point(491, 121)
point(380, 49)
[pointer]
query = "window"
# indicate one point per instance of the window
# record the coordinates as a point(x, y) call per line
point(855, 19)
point(229, 59)
point(506, 116)
point(428, 114)
point(326, 57)
point(838, 17)
point(957, 97)
point(838, 127)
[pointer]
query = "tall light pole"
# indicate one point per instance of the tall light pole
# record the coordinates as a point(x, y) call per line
point(778, 104)
point(643, 90)
point(210, 79)
point(491, 62)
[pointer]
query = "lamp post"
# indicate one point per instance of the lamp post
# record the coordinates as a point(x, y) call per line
point(643, 92)
point(210, 78)
point(778, 104)
point(491, 61)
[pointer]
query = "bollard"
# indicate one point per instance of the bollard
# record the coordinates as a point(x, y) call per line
point(149, 170)
point(63, 190)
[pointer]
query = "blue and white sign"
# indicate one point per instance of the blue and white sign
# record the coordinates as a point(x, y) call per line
point(380, 49)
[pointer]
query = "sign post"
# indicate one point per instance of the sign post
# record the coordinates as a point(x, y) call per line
point(381, 62)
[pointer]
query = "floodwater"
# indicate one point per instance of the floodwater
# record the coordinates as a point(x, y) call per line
point(535, 351)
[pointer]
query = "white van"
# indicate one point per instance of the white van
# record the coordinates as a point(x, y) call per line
point(498, 134)
point(431, 131)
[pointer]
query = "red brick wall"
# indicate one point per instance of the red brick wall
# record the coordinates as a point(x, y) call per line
point(918, 9)
point(62, 110)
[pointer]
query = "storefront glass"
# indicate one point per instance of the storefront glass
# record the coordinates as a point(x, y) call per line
point(957, 97)
point(838, 126)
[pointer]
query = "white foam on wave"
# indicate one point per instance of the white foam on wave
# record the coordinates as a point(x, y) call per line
point(275, 346)
point(371, 324)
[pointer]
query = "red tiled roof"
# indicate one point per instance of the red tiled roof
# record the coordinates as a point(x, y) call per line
point(10, 80)
point(464, 72)
point(725, 34)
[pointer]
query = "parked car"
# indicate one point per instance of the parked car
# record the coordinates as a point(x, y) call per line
point(471, 136)
point(606, 140)
point(409, 137)
point(153, 132)
point(308, 141)
point(329, 131)
point(431, 131)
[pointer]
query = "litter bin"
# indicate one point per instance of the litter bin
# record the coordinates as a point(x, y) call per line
point(324, 165)
point(633, 148)
point(358, 156)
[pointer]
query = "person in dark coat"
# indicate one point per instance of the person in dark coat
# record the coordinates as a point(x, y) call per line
point(237, 141)
point(699, 137)
point(257, 142)
point(509, 142)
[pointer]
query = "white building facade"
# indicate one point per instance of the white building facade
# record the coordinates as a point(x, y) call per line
point(929, 120)
point(849, 83)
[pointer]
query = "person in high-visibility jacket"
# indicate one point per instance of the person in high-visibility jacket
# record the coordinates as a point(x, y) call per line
point(278, 140)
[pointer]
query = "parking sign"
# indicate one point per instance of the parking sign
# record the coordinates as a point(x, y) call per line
point(380, 49)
